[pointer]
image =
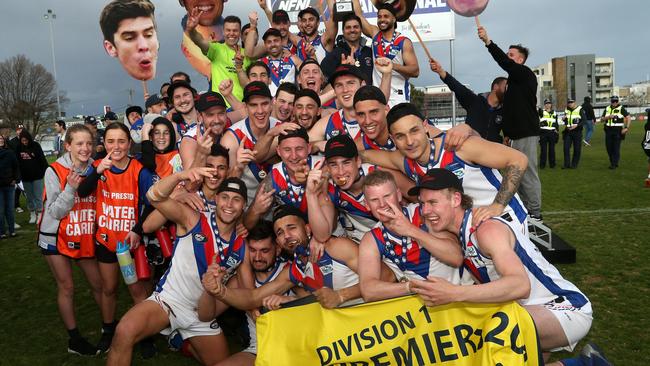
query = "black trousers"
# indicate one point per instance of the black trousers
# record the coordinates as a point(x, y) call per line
point(572, 138)
point(613, 144)
point(547, 141)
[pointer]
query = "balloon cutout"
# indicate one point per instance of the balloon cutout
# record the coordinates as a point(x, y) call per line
point(403, 8)
point(467, 8)
point(129, 30)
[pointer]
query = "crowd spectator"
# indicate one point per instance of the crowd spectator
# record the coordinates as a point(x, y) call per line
point(32, 164)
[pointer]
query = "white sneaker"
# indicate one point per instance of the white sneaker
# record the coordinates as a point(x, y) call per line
point(19, 210)
point(16, 226)
point(586, 143)
point(32, 217)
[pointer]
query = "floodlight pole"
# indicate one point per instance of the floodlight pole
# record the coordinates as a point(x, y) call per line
point(50, 16)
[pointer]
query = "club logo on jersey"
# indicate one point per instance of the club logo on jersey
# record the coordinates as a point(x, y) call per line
point(232, 262)
point(335, 133)
point(74, 245)
point(327, 269)
point(214, 324)
point(471, 251)
point(456, 169)
point(344, 204)
point(200, 237)
point(103, 178)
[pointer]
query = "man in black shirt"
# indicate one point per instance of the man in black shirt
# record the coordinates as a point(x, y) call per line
point(351, 49)
point(589, 121)
point(520, 118)
point(483, 110)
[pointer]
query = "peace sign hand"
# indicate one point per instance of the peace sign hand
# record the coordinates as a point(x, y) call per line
point(193, 19)
point(204, 142)
point(315, 179)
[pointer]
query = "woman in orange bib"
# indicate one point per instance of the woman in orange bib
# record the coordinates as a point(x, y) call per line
point(67, 230)
point(120, 184)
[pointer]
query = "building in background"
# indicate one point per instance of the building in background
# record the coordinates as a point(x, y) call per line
point(576, 76)
point(437, 104)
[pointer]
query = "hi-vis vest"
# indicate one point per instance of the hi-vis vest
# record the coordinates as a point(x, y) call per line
point(547, 120)
point(572, 117)
point(75, 235)
point(117, 204)
point(616, 112)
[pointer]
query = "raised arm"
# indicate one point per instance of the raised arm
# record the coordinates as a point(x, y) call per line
point(60, 202)
point(368, 29)
point(464, 95)
point(387, 159)
point(331, 28)
point(321, 210)
point(190, 30)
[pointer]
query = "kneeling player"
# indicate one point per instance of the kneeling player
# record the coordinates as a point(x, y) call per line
point(203, 238)
point(504, 262)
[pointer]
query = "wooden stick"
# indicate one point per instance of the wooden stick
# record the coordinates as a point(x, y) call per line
point(478, 22)
point(426, 50)
point(146, 91)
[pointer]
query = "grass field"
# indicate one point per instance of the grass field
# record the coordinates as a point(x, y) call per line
point(602, 213)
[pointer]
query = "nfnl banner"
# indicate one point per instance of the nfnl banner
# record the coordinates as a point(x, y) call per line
point(433, 18)
point(400, 331)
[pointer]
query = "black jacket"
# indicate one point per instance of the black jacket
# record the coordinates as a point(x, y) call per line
point(481, 116)
point(520, 117)
point(333, 60)
point(589, 111)
point(9, 171)
point(31, 161)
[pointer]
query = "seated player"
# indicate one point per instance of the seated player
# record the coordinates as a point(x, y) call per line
point(203, 239)
point(403, 240)
point(479, 170)
point(506, 265)
point(332, 278)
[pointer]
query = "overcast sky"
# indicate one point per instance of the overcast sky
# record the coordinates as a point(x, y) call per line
point(550, 28)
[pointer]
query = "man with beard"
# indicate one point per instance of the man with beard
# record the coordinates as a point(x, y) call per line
point(279, 20)
point(283, 102)
point(287, 179)
point(224, 56)
point(389, 43)
point(484, 110)
point(204, 238)
point(417, 153)
point(333, 278)
point(350, 50)
point(507, 267)
point(346, 80)
point(267, 265)
point(212, 109)
point(403, 241)
point(241, 137)
point(283, 67)
point(211, 27)
point(312, 44)
point(129, 31)
point(181, 95)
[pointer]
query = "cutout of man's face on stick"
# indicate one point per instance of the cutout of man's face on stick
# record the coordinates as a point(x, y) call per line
point(467, 8)
point(129, 30)
point(403, 8)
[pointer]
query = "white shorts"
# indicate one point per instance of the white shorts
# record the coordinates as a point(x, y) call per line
point(252, 331)
point(184, 320)
point(575, 322)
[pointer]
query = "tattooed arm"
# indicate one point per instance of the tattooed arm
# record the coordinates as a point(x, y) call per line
point(511, 162)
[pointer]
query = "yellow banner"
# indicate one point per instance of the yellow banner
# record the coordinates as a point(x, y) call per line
point(400, 331)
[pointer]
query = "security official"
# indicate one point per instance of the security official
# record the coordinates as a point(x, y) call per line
point(574, 118)
point(549, 134)
point(617, 122)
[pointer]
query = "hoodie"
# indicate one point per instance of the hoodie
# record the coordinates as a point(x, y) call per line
point(31, 161)
point(9, 171)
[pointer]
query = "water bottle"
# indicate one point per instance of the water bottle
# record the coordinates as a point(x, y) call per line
point(126, 263)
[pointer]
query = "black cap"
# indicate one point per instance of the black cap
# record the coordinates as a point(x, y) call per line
point(369, 92)
point(309, 61)
point(271, 32)
point(256, 88)
point(570, 100)
point(402, 110)
point(437, 179)
point(309, 10)
point(179, 84)
point(388, 7)
point(346, 70)
point(288, 210)
point(91, 120)
point(308, 93)
point(234, 184)
point(280, 16)
point(341, 145)
point(299, 132)
point(153, 100)
point(208, 100)
point(547, 101)
point(133, 108)
point(614, 98)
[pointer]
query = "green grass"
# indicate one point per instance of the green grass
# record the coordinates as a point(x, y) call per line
point(611, 268)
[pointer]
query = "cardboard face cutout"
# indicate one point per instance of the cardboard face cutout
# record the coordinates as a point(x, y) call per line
point(133, 41)
point(403, 8)
point(467, 8)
